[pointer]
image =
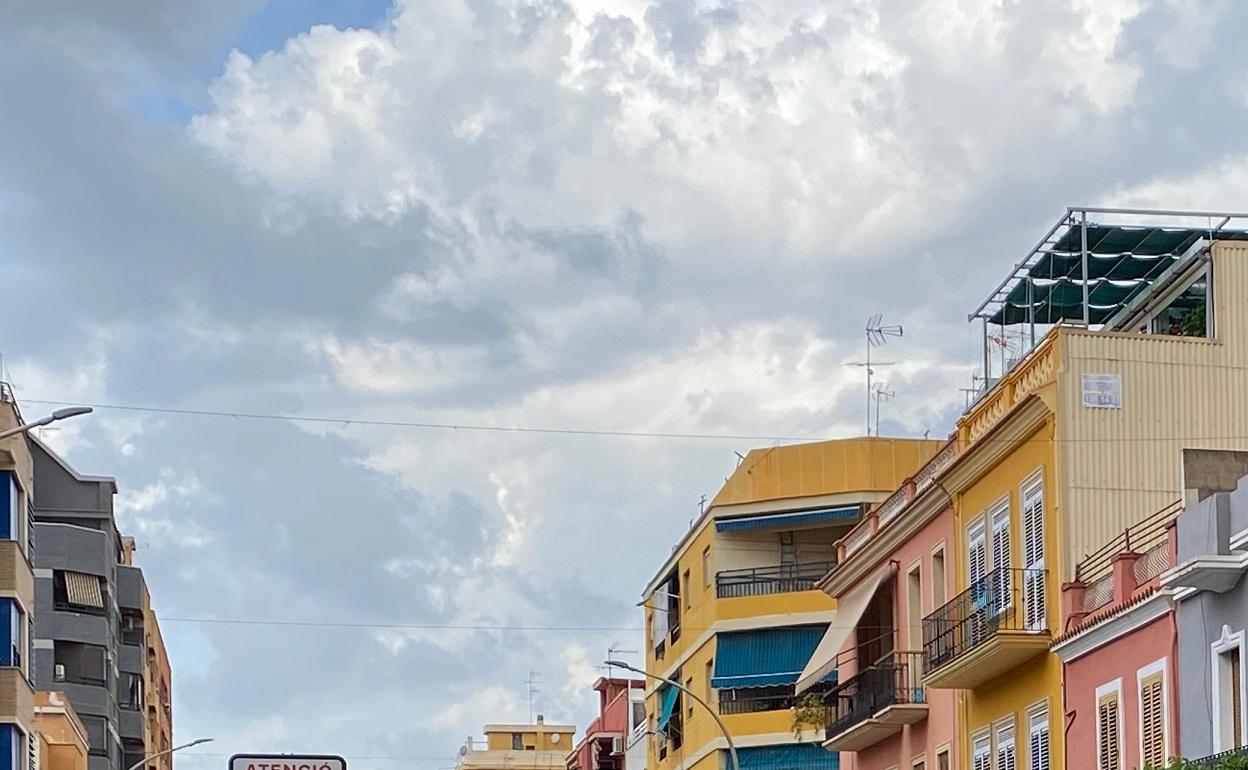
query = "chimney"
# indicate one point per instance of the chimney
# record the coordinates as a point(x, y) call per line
point(541, 719)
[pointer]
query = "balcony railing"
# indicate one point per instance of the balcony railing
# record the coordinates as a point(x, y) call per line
point(1002, 600)
point(1213, 759)
point(895, 679)
point(780, 579)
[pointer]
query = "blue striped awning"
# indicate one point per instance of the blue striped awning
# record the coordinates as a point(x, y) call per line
point(791, 756)
point(766, 657)
point(667, 706)
point(786, 520)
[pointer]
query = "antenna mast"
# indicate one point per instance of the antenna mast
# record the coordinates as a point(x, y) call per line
point(877, 334)
point(535, 678)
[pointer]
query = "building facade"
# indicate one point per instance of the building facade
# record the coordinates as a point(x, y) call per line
point(89, 633)
point(1119, 652)
point(1212, 616)
point(1121, 342)
point(17, 593)
point(621, 709)
point(893, 569)
point(62, 736)
point(539, 746)
point(735, 614)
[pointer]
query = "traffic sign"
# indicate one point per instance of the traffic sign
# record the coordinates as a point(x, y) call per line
point(287, 762)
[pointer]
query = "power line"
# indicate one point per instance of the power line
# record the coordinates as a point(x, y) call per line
point(352, 757)
point(346, 421)
point(419, 626)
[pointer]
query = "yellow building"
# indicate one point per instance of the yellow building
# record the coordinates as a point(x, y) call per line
point(1075, 440)
point(513, 746)
point(62, 736)
point(734, 613)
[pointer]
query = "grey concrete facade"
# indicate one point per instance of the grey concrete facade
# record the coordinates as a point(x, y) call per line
point(96, 648)
point(1212, 617)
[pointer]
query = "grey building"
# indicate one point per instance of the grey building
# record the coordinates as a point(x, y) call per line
point(89, 620)
point(1212, 617)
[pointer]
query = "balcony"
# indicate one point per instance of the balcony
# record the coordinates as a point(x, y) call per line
point(876, 703)
point(780, 579)
point(988, 629)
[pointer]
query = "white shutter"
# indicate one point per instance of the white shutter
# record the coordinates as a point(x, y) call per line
point(1035, 615)
point(1001, 558)
point(981, 754)
point(976, 557)
point(1040, 741)
point(1006, 759)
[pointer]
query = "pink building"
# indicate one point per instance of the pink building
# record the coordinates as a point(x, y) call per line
point(621, 708)
point(1119, 651)
point(893, 569)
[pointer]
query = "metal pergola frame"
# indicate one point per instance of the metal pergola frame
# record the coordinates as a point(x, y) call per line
point(1078, 217)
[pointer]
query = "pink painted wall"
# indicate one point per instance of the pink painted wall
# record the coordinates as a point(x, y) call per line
point(1121, 658)
point(938, 729)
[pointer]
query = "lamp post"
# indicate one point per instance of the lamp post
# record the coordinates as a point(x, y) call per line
point(59, 414)
point(732, 747)
point(158, 755)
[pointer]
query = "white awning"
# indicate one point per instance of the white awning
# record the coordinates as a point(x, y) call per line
point(849, 611)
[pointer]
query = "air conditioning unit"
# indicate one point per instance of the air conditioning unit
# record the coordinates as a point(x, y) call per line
point(617, 745)
point(58, 672)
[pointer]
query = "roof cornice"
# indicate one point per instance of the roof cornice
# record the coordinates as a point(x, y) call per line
point(1024, 419)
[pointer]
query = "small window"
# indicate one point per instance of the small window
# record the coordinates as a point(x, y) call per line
point(981, 752)
point(1108, 733)
point(919, 763)
point(938, 580)
point(1007, 756)
point(1230, 719)
point(942, 761)
point(517, 742)
point(639, 714)
point(688, 591)
point(1152, 721)
point(707, 577)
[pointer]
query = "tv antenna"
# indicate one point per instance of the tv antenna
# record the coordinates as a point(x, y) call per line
point(882, 394)
point(877, 335)
point(535, 678)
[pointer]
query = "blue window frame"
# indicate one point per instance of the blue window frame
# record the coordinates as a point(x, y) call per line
point(11, 504)
point(12, 757)
point(12, 642)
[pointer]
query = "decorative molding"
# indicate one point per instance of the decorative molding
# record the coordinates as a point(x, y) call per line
point(1115, 627)
point(1024, 419)
point(1217, 573)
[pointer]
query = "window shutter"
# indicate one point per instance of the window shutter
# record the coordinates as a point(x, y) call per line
point(1237, 706)
point(1001, 557)
point(1040, 741)
point(1152, 717)
point(976, 556)
point(1005, 749)
point(1033, 557)
point(1108, 738)
point(981, 754)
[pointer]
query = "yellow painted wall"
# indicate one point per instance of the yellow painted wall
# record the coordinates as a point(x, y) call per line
point(540, 738)
point(1039, 678)
point(825, 467)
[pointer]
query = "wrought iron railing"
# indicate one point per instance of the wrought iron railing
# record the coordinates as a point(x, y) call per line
point(895, 679)
point(1213, 759)
point(1140, 537)
point(1002, 600)
point(780, 579)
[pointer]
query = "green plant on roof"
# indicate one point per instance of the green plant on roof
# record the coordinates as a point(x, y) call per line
point(1192, 324)
point(1233, 762)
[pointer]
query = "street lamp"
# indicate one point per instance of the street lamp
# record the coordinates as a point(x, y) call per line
point(158, 755)
point(59, 414)
point(732, 747)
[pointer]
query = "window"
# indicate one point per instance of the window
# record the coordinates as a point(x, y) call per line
point(1038, 741)
point(1001, 556)
point(11, 523)
point(914, 606)
point(80, 663)
point(688, 591)
point(130, 692)
point(976, 556)
point(1187, 314)
point(14, 648)
point(639, 713)
point(77, 592)
point(938, 578)
point(1228, 693)
point(707, 577)
point(942, 760)
point(1033, 556)
point(689, 687)
point(981, 752)
point(919, 763)
point(132, 628)
point(97, 735)
point(1006, 755)
point(517, 742)
point(1152, 721)
point(1109, 727)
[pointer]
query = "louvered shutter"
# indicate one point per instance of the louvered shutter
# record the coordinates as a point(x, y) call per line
point(1033, 558)
point(1006, 759)
point(1152, 719)
point(981, 754)
point(1001, 558)
point(977, 564)
point(1237, 705)
point(1039, 744)
point(1108, 738)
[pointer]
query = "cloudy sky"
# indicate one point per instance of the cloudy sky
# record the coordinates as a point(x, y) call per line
point(625, 215)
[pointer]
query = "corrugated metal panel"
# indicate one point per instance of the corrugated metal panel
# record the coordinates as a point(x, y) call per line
point(1120, 465)
point(792, 756)
point(766, 657)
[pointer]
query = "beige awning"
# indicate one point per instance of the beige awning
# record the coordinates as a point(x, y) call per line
point(849, 611)
point(83, 590)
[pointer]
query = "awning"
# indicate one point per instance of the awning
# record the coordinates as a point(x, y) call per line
point(792, 756)
point(83, 590)
point(667, 705)
point(849, 611)
point(786, 520)
point(764, 658)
